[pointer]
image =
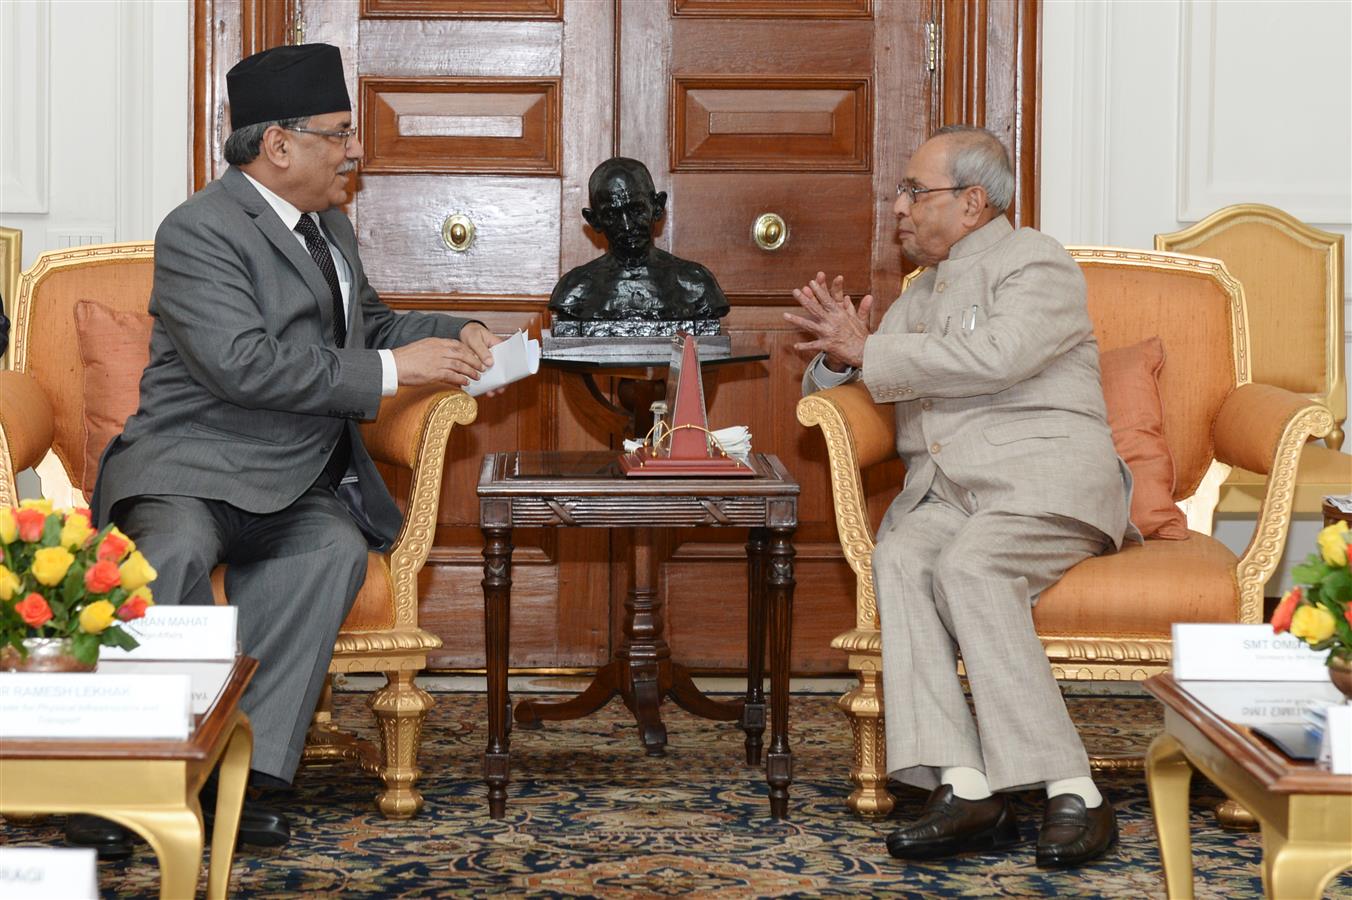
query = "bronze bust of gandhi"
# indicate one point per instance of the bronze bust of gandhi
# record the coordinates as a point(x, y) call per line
point(634, 289)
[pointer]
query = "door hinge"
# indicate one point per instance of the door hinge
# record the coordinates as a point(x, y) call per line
point(931, 46)
point(298, 25)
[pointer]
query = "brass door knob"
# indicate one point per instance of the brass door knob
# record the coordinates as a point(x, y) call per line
point(770, 231)
point(457, 232)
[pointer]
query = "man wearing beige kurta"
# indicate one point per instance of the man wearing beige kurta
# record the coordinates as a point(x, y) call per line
point(1012, 478)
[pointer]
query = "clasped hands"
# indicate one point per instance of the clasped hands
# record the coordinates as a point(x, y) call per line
point(840, 328)
point(448, 360)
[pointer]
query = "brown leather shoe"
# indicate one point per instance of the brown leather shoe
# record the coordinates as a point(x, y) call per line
point(950, 825)
point(1072, 834)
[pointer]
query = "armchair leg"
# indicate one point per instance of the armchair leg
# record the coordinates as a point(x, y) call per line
point(863, 707)
point(400, 708)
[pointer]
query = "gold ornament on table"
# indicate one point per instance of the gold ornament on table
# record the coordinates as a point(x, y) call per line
point(65, 588)
point(1318, 610)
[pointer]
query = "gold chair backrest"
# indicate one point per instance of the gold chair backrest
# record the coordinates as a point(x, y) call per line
point(46, 345)
point(1293, 284)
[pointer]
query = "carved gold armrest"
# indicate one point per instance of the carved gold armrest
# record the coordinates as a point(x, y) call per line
point(27, 425)
point(859, 433)
point(1263, 428)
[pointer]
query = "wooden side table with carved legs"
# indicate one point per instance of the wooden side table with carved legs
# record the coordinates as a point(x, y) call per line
point(588, 490)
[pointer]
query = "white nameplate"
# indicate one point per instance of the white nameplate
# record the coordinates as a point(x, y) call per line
point(1243, 653)
point(45, 873)
point(207, 677)
point(67, 705)
point(1263, 702)
point(180, 632)
point(1336, 749)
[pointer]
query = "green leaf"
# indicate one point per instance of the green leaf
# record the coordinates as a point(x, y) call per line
point(51, 531)
point(1310, 572)
point(116, 636)
point(85, 647)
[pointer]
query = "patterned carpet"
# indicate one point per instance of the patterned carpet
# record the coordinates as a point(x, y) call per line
point(590, 815)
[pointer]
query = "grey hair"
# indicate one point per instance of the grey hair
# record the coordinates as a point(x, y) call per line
point(243, 144)
point(979, 158)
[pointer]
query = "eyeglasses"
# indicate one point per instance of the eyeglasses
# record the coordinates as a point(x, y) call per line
point(344, 135)
point(914, 192)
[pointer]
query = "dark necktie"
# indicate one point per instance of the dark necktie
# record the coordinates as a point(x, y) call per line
point(336, 466)
point(319, 252)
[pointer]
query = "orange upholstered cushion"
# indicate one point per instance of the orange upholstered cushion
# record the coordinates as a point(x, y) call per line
point(1142, 589)
point(114, 349)
point(1135, 414)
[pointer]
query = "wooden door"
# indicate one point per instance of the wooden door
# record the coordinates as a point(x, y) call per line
point(498, 110)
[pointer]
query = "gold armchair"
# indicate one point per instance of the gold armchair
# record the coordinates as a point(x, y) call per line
point(1109, 618)
point(43, 415)
point(1293, 287)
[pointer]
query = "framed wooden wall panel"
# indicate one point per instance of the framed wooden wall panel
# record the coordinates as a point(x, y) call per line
point(777, 9)
point(766, 123)
point(461, 125)
point(449, 47)
point(461, 9)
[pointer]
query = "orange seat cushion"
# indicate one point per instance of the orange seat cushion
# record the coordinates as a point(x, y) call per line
point(373, 610)
point(114, 349)
point(1131, 393)
point(1142, 589)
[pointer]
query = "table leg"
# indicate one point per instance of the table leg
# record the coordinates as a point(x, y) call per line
point(233, 777)
point(753, 714)
point(1294, 869)
point(1168, 776)
point(176, 837)
point(497, 584)
point(779, 588)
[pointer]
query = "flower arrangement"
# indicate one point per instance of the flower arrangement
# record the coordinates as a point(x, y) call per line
point(60, 578)
point(1318, 610)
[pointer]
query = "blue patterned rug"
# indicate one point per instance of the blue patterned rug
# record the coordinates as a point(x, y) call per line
point(590, 815)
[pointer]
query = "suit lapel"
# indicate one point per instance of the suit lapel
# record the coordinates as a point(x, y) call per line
point(283, 240)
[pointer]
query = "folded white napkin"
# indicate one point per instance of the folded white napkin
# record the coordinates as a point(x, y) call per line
point(513, 359)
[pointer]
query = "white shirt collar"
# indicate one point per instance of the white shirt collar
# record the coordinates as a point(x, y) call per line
point(284, 209)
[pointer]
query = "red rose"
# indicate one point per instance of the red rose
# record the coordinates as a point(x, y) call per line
point(31, 523)
point(33, 609)
point(102, 577)
point(134, 607)
point(1347, 614)
point(1281, 616)
point(112, 547)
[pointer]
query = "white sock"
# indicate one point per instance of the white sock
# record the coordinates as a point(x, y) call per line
point(967, 783)
point(1083, 786)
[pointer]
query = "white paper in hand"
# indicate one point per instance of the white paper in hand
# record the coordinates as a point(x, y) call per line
point(513, 359)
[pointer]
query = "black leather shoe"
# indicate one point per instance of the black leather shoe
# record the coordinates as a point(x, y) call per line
point(110, 839)
point(1072, 834)
point(950, 825)
point(259, 825)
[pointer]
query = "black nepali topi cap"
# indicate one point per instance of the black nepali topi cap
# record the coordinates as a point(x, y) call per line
point(287, 83)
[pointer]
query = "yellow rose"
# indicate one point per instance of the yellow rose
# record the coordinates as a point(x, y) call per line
point(136, 572)
point(1312, 624)
point(42, 504)
point(9, 583)
point(1331, 544)
point(75, 532)
point(9, 529)
point(97, 616)
point(50, 565)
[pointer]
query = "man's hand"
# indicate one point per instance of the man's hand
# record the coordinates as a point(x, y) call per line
point(839, 327)
point(446, 360)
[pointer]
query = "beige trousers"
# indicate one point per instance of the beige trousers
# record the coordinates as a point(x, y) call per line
point(953, 578)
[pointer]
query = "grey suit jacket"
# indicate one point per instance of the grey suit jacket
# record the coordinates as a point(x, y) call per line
point(245, 393)
point(991, 362)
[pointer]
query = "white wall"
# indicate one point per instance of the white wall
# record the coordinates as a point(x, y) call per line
point(1158, 112)
point(94, 101)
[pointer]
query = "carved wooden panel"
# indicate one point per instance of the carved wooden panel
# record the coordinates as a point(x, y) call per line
point(717, 213)
point(461, 9)
point(516, 233)
point(730, 123)
point(777, 9)
point(405, 47)
point(461, 125)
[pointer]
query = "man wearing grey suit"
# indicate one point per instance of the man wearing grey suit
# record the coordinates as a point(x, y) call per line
point(1011, 478)
point(268, 346)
